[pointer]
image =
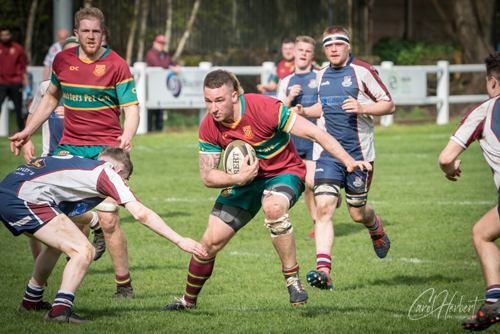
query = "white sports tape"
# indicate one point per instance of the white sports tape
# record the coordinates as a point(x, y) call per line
point(271, 192)
point(107, 207)
point(282, 229)
point(330, 39)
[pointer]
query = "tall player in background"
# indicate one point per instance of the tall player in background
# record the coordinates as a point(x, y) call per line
point(482, 123)
point(350, 94)
point(95, 83)
point(300, 88)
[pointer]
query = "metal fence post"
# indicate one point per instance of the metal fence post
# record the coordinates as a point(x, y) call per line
point(443, 91)
point(387, 120)
point(268, 69)
point(140, 85)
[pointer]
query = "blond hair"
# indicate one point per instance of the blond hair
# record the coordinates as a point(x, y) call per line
point(306, 39)
point(86, 13)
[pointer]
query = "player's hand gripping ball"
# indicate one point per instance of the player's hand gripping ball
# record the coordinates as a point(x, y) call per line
point(234, 155)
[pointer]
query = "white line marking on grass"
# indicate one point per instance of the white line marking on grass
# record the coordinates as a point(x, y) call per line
point(418, 261)
point(248, 254)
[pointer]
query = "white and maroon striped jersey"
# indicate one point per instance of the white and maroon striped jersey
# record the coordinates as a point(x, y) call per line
point(482, 123)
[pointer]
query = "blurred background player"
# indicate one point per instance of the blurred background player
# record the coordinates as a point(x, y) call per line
point(53, 50)
point(300, 88)
point(158, 57)
point(482, 123)
point(13, 74)
point(350, 94)
point(284, 67)
point(92, 123)
point(43, 199)
point(274, 182)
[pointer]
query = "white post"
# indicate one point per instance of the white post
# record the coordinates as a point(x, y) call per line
point(140, 85)
point(268, 69)
point(207, 66)
point(443, 92)
point(4, 118)
point(387, 120)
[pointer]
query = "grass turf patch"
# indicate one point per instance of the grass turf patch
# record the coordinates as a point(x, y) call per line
point(429, 282)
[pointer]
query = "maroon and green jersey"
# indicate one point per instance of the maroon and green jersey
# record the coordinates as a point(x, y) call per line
point(265, 124)
point(93, 92)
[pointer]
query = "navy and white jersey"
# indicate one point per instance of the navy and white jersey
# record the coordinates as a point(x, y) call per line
point(52, 128)
point(353, 131)
point(74, 184)
point(482, 123)
point(307, 97)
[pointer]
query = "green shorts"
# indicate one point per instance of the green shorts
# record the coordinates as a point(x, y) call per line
point(249, 197)
point(90, 152)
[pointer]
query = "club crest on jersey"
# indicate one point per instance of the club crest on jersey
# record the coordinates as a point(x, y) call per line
point(227, 192)
point(312, 83)
point(347, 82)
point(38, 163)
point(63, 153)
point(248, 132)
point(100, 70)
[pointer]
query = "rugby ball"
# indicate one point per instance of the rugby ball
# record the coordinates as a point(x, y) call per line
point(234, 155)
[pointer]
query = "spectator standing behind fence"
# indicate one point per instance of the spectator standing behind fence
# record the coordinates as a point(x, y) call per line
point(53, 50)
point(158, 57)
point(13, 73)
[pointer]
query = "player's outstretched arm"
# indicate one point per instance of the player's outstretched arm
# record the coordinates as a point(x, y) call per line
point(41, 114)
point(448, 160)
point(379, 108)
point(154, 222)
point(313, 111)
point(307, 130)
point(212, 177)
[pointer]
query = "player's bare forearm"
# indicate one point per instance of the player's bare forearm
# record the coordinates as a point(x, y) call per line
point(307, 130)
point(379, 108)
point(313, 111)
point(448, 160)
point(131, 123)
point(210, 174)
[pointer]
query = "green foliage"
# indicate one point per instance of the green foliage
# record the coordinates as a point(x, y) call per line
point(182, 118)
point(416, 113)
point(406, 52)
point(428, 219)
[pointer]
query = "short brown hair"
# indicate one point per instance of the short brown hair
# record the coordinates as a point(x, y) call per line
point(306, 39)
point(493, 65)
point(218, 78)
point(336, 30)
point(119, 156)
point(90, 12)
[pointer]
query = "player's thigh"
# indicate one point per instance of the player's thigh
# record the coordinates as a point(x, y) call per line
point(216, 236)
point(488, 227)
point(61, 233)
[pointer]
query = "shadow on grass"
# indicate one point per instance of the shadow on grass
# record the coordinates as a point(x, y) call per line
point(164, 216)
point(407, 280)
point(345, 229)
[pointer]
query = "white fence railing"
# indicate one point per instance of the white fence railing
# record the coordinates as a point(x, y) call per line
point(407, 85)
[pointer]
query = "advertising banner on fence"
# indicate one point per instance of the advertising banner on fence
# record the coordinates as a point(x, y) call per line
point(170, 91)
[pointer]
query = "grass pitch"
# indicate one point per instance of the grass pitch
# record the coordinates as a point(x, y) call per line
point(429, 282)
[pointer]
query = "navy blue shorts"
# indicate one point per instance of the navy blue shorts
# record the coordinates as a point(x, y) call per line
point(304, 147)
point(20, 216)
point(357, 182)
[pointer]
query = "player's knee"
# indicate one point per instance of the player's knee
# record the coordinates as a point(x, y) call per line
point(109, 221)
point(273, 210)
point(280, 226)
point(356, 201)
